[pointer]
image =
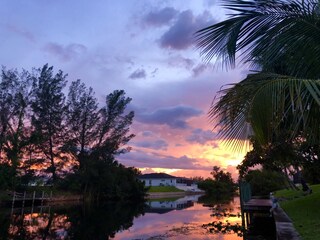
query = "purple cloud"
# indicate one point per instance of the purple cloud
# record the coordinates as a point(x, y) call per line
point(22, 32)
point(160, 18)
point(153, 160)
point(159, 144)
point(200, 136)
point(148, 139)
point(139, 73)
point(175, 117)
point(65, 53)
point(179, 61)
point(200, 68)
point(153, 73)
point(147, 134)
point(180, 35)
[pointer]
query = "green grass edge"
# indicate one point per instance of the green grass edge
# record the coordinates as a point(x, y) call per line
point(154, 189)
point(304, 210)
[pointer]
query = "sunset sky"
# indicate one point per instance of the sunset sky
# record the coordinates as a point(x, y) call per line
point(145, 47)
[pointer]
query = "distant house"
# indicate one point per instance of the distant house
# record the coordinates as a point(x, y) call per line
point(163, 179)
point(158, 179)
point(187, 185)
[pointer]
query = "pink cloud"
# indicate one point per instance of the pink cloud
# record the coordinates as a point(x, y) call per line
point(201, 136)
point(142, 159)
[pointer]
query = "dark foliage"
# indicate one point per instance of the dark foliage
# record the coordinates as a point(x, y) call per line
point(7, 176)
point(69, 142)
point(76, 222)
point(221, 185)
point(263, 182)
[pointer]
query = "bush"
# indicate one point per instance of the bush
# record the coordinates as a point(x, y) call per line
point(216, 188)
point(263, 182)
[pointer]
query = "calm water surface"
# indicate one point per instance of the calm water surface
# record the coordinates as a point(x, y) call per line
point(182, 218)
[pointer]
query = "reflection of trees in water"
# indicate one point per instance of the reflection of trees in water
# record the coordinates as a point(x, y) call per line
point(37, 226)
point(226, 216)
point(94, 222)
point(224, 227)
point(105, 221)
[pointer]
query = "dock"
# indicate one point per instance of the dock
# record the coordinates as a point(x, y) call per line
point(284, 226)
point(252, 207)
point(32, 198)
point(257, 205)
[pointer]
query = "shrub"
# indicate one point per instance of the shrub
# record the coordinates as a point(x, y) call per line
point(263, 182)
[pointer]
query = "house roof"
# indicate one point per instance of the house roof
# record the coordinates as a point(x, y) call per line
point(156, 176)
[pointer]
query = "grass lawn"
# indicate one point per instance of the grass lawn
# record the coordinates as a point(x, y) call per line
point(303, 210)
point(164, 189)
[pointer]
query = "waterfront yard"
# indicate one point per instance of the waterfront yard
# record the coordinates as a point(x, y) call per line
point(304, 211)
point(155, 189)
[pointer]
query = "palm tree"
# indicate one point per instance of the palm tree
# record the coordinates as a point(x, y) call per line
point(282, 39)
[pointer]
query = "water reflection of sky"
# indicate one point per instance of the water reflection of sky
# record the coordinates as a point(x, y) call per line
point(182, 224)
point(179, 219)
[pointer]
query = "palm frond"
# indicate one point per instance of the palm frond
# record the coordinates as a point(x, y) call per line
point(265, 104)
point(268, 31)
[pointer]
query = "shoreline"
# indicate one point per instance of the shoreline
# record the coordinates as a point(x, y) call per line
point(79, 198)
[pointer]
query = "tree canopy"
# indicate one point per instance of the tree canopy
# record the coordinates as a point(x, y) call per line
point(68, 140)
point(280, 40)
point(277, 104)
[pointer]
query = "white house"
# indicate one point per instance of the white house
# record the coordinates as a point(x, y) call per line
point(158, 179)
point(163, 179)
point(186, 184)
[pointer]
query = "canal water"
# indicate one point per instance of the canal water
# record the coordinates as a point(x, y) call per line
point(190, 217)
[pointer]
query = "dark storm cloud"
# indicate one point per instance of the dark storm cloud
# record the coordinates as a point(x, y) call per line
point(200, 136)
point(180, 35)
point(160, 17)
point(175, 117)
point(65, 53)
point(159, 144)
point(153, 160)
point(139, 73)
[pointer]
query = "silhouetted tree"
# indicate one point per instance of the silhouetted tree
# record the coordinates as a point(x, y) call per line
point(112, 136)
point(48, 111)
point(221, 185)
point(72, 138)
point(15, 94)
point(82, 121)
